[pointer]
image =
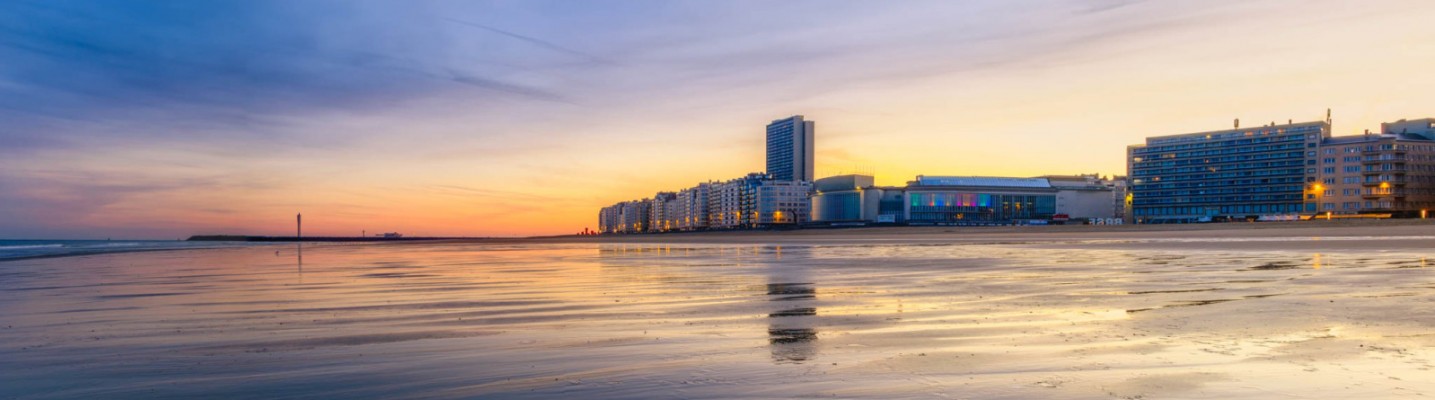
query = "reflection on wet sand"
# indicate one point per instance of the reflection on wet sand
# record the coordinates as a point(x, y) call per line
point(790, 329)
point(791, 325)
point(885, 320)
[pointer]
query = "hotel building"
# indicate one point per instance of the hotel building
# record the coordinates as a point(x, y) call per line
point(1388, 172)
point(1236, 173)
point(625, 217)
point(1283, 172)
point(663, 213)
point(790, 149)
point(693, 207)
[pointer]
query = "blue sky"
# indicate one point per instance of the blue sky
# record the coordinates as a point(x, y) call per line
point(165, 119)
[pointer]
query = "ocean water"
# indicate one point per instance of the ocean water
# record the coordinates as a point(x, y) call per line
point(1076, 319)
point(18, 249)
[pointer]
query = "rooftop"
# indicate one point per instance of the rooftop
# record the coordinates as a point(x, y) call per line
point(988, 181)
point(1229, 133)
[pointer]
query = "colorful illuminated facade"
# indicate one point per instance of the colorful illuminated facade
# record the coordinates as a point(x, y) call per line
point(962, 200)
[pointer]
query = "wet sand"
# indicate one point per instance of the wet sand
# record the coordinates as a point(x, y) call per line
point(1272, 312)
point(904, 234)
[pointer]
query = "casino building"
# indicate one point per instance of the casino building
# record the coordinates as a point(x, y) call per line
point(962, 200)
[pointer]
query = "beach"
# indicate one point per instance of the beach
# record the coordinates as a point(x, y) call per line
point(1315, 309)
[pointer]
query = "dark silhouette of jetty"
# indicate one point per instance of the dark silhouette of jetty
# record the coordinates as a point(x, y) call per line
point(242, 238)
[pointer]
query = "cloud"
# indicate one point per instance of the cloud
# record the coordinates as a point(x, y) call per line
point(177, 70)
point(534, 41)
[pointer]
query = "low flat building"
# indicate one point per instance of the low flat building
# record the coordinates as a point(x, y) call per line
point(846, 199)
point(1084, 196)
point(978, 200)
point(783, 203)
point(962, 200)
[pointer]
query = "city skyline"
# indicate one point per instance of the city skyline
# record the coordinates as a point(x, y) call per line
point(143, 120)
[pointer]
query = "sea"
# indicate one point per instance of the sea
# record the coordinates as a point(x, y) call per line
point(21, 249)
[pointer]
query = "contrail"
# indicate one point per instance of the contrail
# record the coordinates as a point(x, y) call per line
point(534, 41)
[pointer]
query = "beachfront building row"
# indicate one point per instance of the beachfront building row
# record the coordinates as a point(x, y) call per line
point(628, 216)
point(753, 201)
point(1282, 172)
point(963, 200)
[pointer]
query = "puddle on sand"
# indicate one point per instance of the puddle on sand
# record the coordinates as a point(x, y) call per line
point(1272, 266)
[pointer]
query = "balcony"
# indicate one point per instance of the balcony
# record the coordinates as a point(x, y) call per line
point(1401, 181)
point(1401, 170)
point(1375, 194)
point(1379, 150)
point(1399, 159)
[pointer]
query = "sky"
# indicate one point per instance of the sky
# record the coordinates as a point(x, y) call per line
point(164, 119)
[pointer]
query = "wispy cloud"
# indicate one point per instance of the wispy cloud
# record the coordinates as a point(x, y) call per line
point(534, 41)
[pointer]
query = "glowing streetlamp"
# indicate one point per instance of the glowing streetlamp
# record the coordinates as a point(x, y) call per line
point(1316, 192)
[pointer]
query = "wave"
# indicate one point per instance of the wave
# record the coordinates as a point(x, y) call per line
point(32, 246)
point(104, 245)
point(18, 250)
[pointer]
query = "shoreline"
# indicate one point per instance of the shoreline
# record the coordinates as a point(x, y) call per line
point(1336, 228)
point(1381, 234)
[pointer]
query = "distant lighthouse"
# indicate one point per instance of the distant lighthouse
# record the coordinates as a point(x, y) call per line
point(298, 225)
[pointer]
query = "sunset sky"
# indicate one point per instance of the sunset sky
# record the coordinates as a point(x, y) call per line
point(165, 119)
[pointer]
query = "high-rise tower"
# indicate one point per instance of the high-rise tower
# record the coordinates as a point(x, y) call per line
point(789, 149)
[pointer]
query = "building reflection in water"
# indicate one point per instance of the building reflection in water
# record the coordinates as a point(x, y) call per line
point(790, 326)
point(299, 251)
